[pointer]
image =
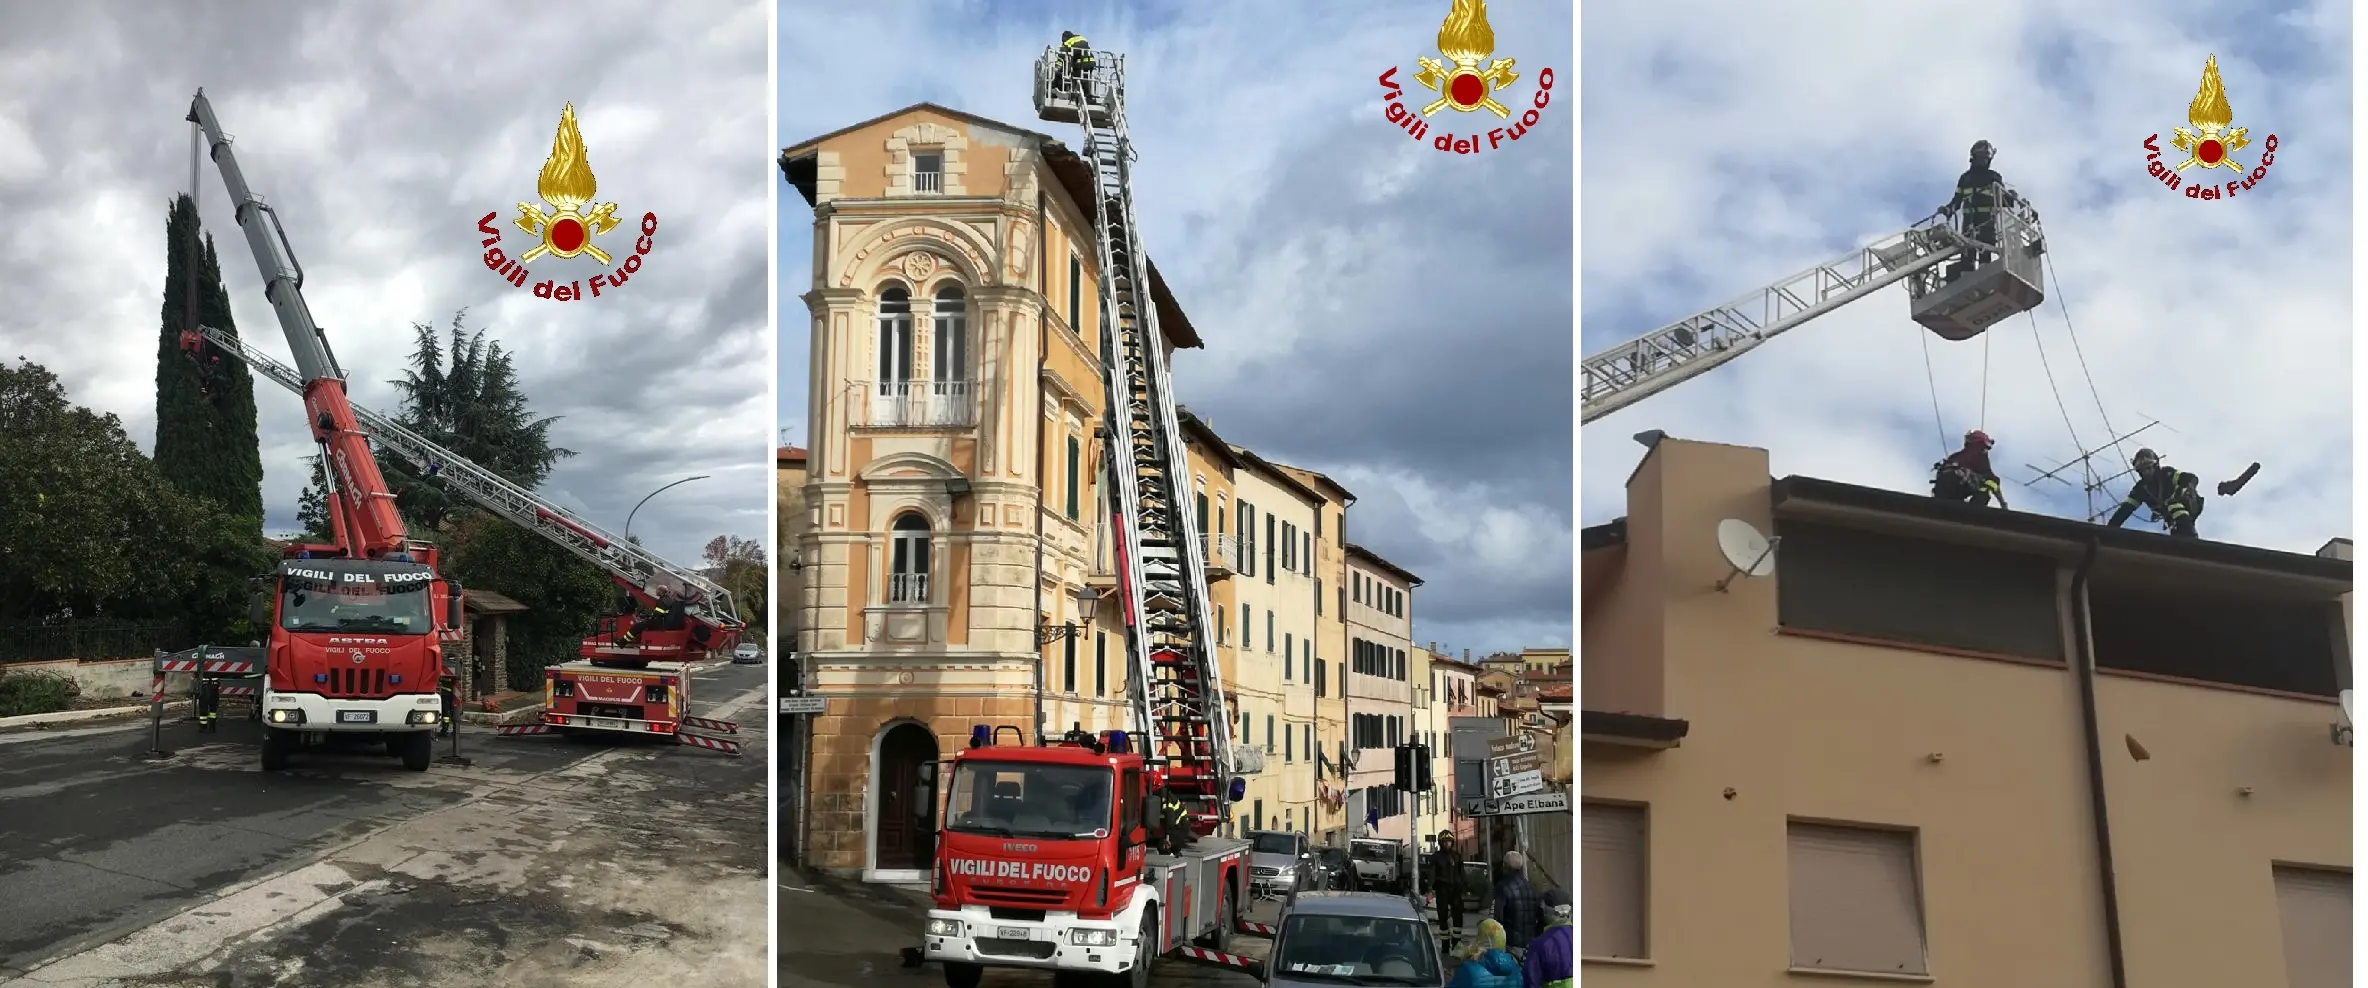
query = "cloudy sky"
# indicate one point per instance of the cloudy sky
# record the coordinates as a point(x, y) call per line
point(1391, 315)
point(382, 132)
point(1735, 143)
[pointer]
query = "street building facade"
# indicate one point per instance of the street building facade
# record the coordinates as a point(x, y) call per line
point(1380, 690)
point(1275, 655)
point(1954, 745)
point(1327, 770)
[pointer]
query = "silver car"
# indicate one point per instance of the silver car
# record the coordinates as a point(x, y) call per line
point(1281, 863)
point(1328, 939)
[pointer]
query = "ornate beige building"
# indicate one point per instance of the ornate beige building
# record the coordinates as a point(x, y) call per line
point(950, 504)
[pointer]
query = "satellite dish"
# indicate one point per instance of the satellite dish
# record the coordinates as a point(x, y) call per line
point(1749, 552)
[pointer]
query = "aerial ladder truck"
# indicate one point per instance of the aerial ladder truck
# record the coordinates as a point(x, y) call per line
point(1058, 855)
point(1999, 280)
point(359, 624)
point(633, 672)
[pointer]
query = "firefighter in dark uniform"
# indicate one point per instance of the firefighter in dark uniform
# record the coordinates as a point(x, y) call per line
point(1977, 196)
point(208, 695)
point(1077, 61)
point(1965, 475)
point(2170, 494)
point(448, 690)
point(1175, 824)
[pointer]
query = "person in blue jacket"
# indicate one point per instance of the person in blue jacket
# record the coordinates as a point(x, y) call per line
point(1550, 956)
point(1486, 964)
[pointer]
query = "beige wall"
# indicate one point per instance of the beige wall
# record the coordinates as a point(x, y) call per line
point(1282, 626)
point(1983, 759)
point(1331, 703)
point(1375, 695)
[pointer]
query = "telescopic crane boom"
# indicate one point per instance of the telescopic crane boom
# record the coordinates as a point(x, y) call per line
point(362, 516)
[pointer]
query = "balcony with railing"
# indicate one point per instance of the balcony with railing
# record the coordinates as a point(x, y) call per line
point(924, 405)
point(908, 588)
point(1221, 555)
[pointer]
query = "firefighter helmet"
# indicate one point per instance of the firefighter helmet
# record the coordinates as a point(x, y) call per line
point(1978, 438)
point(1983, 150)
point(2145, 460)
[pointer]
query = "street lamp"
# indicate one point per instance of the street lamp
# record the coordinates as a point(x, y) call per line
point(1087, 597)
point(645, 499)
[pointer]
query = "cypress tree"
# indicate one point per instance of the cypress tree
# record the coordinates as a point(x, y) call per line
point(205, 419)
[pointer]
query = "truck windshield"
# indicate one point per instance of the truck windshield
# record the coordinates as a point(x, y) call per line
point(1373, 852)
point(341, 595)
point(1355, 950)
point(1273, 844)
point(1013, 799)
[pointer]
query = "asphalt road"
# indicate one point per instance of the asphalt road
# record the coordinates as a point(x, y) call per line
point(843, 934)
point(543, 853)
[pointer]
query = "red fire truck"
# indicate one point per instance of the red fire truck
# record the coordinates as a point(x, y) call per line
point(358, 624)
point(1096, 855)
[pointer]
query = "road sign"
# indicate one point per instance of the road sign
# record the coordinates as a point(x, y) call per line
point(1511, 764)
point(803, 704)
point(1536, 802)
point(1520, 743)
point(1516, 784)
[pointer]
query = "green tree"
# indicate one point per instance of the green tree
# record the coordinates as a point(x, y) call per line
point(90, 528)
point(739, 565)
point(564, 596)
point(464, 396)
point(312, 506)
point(205, 415)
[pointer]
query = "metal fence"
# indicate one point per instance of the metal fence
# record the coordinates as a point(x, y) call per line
point(87, 641)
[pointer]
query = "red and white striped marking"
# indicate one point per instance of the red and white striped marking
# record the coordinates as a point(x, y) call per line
point(705, 724)
point(1254, 929)
point(238, 691)
point(234, 667)
point(712, 744)
point(1207, 956)
point(511, 729)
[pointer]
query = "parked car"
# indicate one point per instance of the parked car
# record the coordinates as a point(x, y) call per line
point(1380, 865)
point(748, 654)
point(1329, 939)
point(1280, 863)
point(1333, 872)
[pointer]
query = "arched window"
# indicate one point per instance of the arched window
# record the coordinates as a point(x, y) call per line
point(950, 346)
point(908, 560)
point(896, 341)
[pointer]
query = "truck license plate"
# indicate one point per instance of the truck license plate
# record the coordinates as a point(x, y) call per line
point(1012, 932)
point(357, 716)
point(606, 723)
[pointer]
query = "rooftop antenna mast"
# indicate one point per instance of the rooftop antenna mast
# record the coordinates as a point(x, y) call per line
point(2090, 481)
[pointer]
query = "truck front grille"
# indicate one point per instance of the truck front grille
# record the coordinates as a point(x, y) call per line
point(993, 895)
point(997, 946)
point(352, 682)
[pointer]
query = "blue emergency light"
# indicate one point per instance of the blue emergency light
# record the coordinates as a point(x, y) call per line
point(320, 677)
point(1240, 788)
point(1115, 741)
point(395, 678)
point(980, 736)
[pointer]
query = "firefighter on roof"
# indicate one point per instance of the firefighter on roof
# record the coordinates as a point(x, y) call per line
point(1965, 475)
point(2170, 494)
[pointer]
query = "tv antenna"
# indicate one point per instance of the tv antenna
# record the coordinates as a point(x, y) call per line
point(2090, 481)
point(1749, 552)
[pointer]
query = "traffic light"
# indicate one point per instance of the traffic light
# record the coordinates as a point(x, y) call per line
point(1413, 768)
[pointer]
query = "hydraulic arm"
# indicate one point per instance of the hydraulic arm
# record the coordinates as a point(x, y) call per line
point(361, 510)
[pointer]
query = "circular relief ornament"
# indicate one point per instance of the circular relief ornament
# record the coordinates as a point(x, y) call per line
point(919, 264)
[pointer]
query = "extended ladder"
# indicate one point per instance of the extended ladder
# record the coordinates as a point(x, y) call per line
point(1177, 694)
point(622, 560)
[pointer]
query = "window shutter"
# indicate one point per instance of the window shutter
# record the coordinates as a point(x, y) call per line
point(1855, 903)
point(2315, 914)
point(1612, 871)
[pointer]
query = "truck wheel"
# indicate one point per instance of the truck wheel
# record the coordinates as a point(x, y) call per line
point(275, 749)
point(418, 748)
point(963, 975)
point(1146, 948)
point(1228, 917)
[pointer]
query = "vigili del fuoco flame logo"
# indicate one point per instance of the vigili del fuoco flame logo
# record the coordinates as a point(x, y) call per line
point(2211, 145)
point(1462, 84)
point(568, 230)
